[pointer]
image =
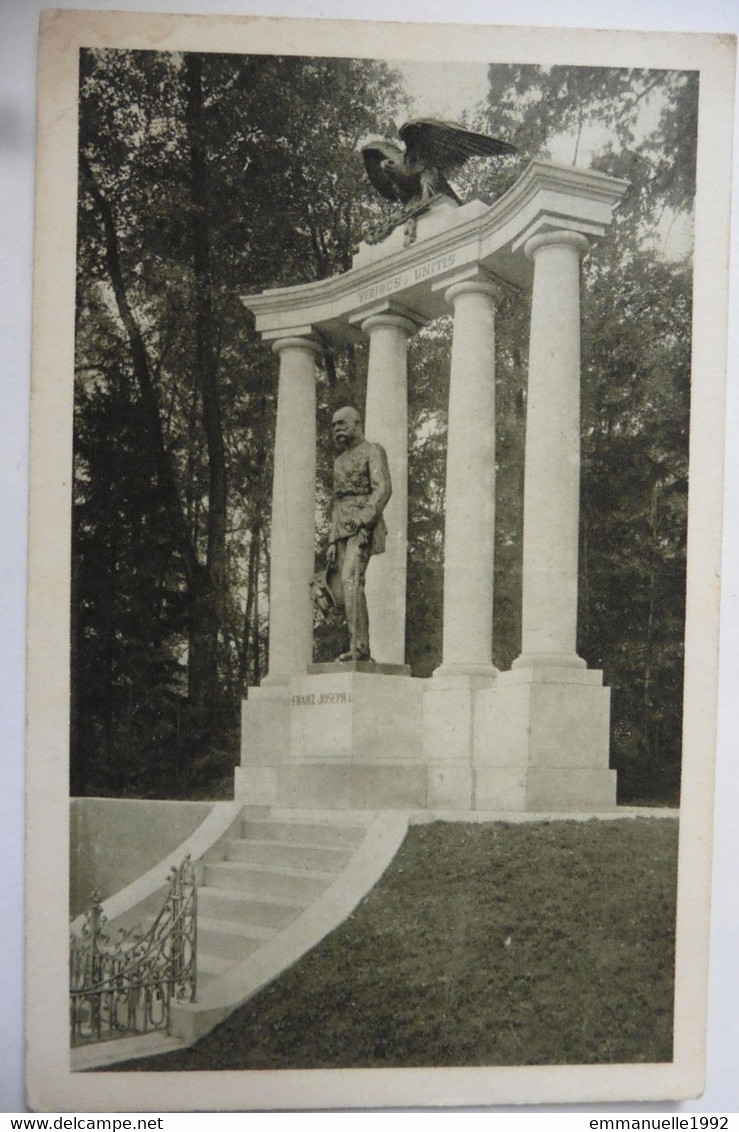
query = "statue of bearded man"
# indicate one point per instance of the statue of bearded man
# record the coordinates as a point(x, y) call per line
point(362, 488)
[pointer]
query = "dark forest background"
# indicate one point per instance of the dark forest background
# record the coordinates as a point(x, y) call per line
point(205, 177)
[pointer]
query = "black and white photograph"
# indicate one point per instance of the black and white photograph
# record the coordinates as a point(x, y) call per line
point(376, 484)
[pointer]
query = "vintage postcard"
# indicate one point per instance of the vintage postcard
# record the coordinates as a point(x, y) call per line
point(377, 429)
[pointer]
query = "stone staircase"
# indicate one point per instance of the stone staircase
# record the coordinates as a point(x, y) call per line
point(281, 881)
point(270, 874)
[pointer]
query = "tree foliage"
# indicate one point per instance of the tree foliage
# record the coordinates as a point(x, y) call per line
point(204, 177)
point(201, 178)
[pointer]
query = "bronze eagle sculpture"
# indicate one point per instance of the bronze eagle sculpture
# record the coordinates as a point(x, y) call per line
point(433, 150)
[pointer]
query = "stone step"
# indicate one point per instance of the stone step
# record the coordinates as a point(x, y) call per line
point(268, 880)
point(210, 966)
point(230, 947)
point(294, 853)
point(231, 939)
point(222, 926)
point(270, 912)
point(328, 835)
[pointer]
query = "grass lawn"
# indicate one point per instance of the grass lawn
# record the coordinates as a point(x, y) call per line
point(527, 944)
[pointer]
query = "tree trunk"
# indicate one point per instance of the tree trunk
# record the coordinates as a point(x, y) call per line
point(209, 606)
point(142, 370)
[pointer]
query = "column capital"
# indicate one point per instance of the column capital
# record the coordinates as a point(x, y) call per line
point(296, 343)
point(389, 318)
point(557, 237)
point(473, 287)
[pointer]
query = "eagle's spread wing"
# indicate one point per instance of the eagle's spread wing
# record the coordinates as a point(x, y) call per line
point(374, 153)
point(445, 146)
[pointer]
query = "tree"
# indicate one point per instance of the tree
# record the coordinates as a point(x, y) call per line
point(201, 177)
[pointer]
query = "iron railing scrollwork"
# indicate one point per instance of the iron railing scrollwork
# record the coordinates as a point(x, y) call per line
point(127, 986)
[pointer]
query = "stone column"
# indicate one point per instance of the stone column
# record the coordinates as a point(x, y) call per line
point(552, 477)
point(470, 483)
point(386, 423)
point(293, 512)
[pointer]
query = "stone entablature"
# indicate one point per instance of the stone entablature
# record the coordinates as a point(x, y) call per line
point(450, 241)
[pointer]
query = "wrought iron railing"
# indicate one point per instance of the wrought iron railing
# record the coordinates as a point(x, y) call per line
point(127, 986)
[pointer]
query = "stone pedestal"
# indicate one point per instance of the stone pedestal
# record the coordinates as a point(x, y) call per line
point(341, 738)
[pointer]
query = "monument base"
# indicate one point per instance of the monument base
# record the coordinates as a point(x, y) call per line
point(344, 735)
point(365, 736)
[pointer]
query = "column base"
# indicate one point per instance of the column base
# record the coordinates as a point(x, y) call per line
point(542, 741)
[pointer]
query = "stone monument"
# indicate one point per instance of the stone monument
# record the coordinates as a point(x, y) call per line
point(469, 738)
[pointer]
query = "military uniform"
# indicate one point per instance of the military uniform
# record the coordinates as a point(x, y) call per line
point(362, 488)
